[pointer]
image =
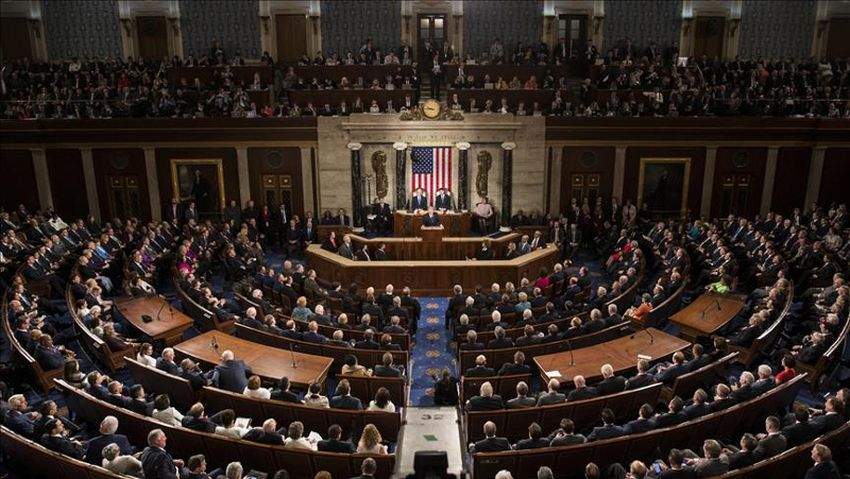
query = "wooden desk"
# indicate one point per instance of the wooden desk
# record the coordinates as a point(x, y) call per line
point(430, 277)
point(409, 224)
point(450, 248)
point(620, 353)
point(170, 325)
point(269, 363)
point(707, 314)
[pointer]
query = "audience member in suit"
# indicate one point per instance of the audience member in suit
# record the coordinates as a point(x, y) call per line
point(500, 340)
point(516, 367)
point(156, 462)
point(801, 431)
point(387, 369)
point(721, 398)
point(535, 439)
point(566, 435)
point(138, 403)
point(711, 464)
point(445, 390)
point(267, 434)
point(668, 374)
point(551, 396)
point(642, 378)
point(334, 442)
point(490, 443)
point(581, 391)
point(608, 429)
point(521, 400)
point(699, 406)
point(772, 442)
point(610, 384)
point(166, 362)
point(190, 371)
point(196, 419)
point(282, 392)
point(824, 467)
point(643, 423)
point(743, 390)
point(343, 398)
point(18, 419)
point(676, 469)
point(674, 414)
point(745, 456)
point(56, 440)
point(832, 417)
point(765, 381)
point(486, 400)
point(480, 369)
point(231, 374)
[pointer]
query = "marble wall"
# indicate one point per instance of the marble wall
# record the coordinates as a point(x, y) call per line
point(484, 132)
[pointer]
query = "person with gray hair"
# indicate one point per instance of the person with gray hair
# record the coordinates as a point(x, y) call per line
point(233, 471)
point(95, 445)
point(157, 463)
point(545, 473)
point(504, 474)
point(118, 463)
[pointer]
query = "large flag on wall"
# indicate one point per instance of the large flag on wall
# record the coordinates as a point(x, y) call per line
point(432, 168)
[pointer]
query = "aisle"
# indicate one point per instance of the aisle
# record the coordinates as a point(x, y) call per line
point(431, 353)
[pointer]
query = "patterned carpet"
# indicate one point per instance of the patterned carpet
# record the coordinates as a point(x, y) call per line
point(431, 352)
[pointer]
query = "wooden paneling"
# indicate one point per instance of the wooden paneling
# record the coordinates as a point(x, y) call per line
point(792, 176)
point(576, 160)
point(19, 186)
point(697, 156)
point(838, 38)
point(163, 169)
point(67, 183)
point(152, 37)
point(15, 39)
point(125, 163)
point(276, 161)
point(291, 36)
point(836, 176)
point(738, 163)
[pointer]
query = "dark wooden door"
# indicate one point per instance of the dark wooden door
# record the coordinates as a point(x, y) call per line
point(572, 32)
point(432, 31)
point(14, 39)
point(291, 37)
point(708, 37)
point(152, 37)
point(838, 38)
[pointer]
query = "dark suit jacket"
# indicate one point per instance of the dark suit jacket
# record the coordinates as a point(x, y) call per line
point(638, 425)
point(335, 445)
point(583, 393)
point(520, 402)
point(492, 444)
point(823, 470)
point(170, 368)
point(479, 372)
point(483, 403)
point(605, 432)
point(514, 368)
point(20, 423)
point(827, 422)
point(62, 445)
point(532, 443)
point(614, 384)
point(96, 445)
point(345, 402)
point(386, 372)
point(232, 376)
point(431, 220)
point(157, 464)
point(258, 435)
point(640, 380)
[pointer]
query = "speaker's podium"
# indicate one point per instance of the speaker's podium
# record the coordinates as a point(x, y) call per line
point(432, 234)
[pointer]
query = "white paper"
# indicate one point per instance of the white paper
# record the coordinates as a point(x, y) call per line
point(553, 374)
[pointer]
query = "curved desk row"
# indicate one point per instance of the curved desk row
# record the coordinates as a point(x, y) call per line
point(430, 277)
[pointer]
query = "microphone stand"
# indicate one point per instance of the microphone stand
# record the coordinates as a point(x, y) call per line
point(642, 327)
point(292, 355)
point(570, 349)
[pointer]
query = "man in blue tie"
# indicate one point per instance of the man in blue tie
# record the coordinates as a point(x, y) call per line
point(419, 202)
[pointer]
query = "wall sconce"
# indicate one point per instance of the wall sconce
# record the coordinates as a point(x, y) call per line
point(822, 26)
point(597, 23)
point(734, 23)
point(127, 23)
point(265, 20)
point(36, 28)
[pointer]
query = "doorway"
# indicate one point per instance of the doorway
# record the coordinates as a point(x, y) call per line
point(152, 35)
point(15, 39)
point(291, 37)
point(431, 35)
point(572, 32)
point(708, 37)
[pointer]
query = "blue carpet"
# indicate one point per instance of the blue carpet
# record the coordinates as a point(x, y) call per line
point(431, 352)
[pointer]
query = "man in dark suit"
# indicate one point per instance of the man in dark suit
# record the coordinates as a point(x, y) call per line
point(581, 391)
point(282, 392)
point(516, 367)
point(18, 419)
point(699, 406)
point(362, 254)
point(745, 456)
point(486, 400)
point(334, 443)
point(387, 369)
point(669, 374)
point(419, 201)
point(174, 211)
point(499, 340)
point(551, 396)
point(381, 253)
point(443, 200)
point(480, 369)
point(166, 362)
point(231, 374)
point(431, 219)
point(343, 399)
point(642, 378)
point(197, 420)
point(801, 430)
point(610, 383)
point(191, 212)
point(346, 250)
point(535, 439)
point(772, 443)
point(824, 467)
point(471, 343)
point(156, 462)
point(56, 440)
point(608, 429)
point(490, 443)
point(643, 423)
point(674, 414)
point(521, 400)
point(268, 434)
point(832, 417)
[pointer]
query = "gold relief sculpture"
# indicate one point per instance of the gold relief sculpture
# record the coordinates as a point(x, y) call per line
point(379, 166)
point(485, 162)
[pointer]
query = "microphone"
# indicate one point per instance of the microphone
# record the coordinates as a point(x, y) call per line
point(717, 302)
point(214, 343)
point(158, 313)
point(642, 327)
point(570, 349)
point(292, 355)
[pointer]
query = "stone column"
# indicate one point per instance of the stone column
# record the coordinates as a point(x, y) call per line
point(815, 177)
point(463, 176)
point(153, 182)
point(307, 180)
point(555, 188)
point(42, 178)
point(769, 179)
point(91, 182)
point(400, 174)
point(619, 172)
point(356, 187)
point(244, 176)
point(507, 184)
point(708, 181)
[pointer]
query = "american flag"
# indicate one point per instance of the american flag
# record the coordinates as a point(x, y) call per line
point(432, 168)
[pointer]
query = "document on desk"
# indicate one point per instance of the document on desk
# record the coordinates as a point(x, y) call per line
point(553, 374)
